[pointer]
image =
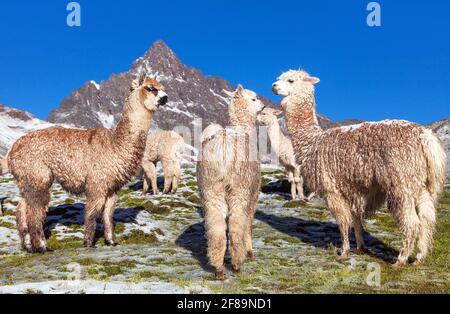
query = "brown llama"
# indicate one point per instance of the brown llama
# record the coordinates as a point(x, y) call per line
point(356, 169)
point(95, 162)
point(282, 146)
point(166, 147)
point(229, 177)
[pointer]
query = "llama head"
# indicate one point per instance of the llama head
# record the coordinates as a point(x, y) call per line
point(294, 82)
point(150, 92)
point(245, 99)
point(269, 116)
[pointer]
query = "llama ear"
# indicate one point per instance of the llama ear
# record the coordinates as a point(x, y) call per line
point(229, 94)
point(239, 89)
point(278, 113)
point(134, 84)
point(314, 80)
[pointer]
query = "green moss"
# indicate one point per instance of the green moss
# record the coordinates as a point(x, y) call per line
point(119, 228)
point(265, 181)
point(6, 224)
point(138, 237)
point(295, 204)
point(8, 212)
point(124, 192)
point(6, 180)
point(65, 243)
point(137, 203)
point(87, 261)
point(69, 201)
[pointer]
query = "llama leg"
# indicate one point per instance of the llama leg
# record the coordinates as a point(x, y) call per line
point(153, 178)
point(35, 214)
point(174, 184)
point(215, 209)
point(149, 171)
point(293, 186)
point(249, 240)
point(427, 216)
point(409, 226)
point(176, 176)
point(341, 212)
point(359, 234)
point(93, 209)
point(237, 228)
point(168, 176)
point(108, 220)
point(22, 226)
point(299, 184)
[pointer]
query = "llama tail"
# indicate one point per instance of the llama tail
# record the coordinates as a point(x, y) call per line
point(436, 163)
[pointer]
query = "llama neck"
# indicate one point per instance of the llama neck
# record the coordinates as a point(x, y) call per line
point(302, 122)
point(276, 136)
point(130, 134)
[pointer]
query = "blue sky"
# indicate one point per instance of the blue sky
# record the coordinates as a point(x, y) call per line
point(399, 70)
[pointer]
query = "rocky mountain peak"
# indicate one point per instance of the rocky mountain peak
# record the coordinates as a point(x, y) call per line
point(191, 95)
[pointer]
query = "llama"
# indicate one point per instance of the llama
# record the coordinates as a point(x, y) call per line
point(95, 162)
point(229, 177)
point(282, 146)
point(357, 168)
point(167, 147)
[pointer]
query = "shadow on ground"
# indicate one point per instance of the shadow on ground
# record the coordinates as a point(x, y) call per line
point(324, 234)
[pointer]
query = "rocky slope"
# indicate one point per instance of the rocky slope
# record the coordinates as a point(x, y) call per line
point(15, 123)
point(192, 95)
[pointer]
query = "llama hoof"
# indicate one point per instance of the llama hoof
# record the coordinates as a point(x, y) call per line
point(236, 270)
point(343, 255)
point(220, 275)
point(89, 245)
point(28, 249)
point(398, 265)
point(110, 243)
point(360, 251)
point(251, 256)
point(41, 250)
point(418, 262)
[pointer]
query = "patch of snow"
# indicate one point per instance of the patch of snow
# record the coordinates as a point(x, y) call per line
point(106, 119)
point(95, 84)
point(100, 287)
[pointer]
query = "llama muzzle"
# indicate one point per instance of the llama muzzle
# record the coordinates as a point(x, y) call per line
point(162, 101)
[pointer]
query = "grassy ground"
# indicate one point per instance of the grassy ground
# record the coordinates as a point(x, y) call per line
point(162, 249)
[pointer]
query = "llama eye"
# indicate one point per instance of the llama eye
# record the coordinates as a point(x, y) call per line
point(291, 81)
point(254, 99)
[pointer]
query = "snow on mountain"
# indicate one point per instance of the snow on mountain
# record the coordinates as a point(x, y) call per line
point(16, 123)
point(100, 105)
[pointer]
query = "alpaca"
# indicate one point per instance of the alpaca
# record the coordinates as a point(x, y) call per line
point(357, 168)
point(167, 147)
point(229, 180)
point(95, 162)
point(282, 146)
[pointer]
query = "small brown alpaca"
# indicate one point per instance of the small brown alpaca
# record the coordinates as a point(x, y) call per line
point(228, 175)
point(166, 147)
point(357, 168)
point(95, 162)
point(282, 147)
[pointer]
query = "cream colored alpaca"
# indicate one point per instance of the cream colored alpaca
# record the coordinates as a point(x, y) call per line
point(282, 147)
point(357, 168)
point(229, 177)
point(95, 162)
point(166, 147)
